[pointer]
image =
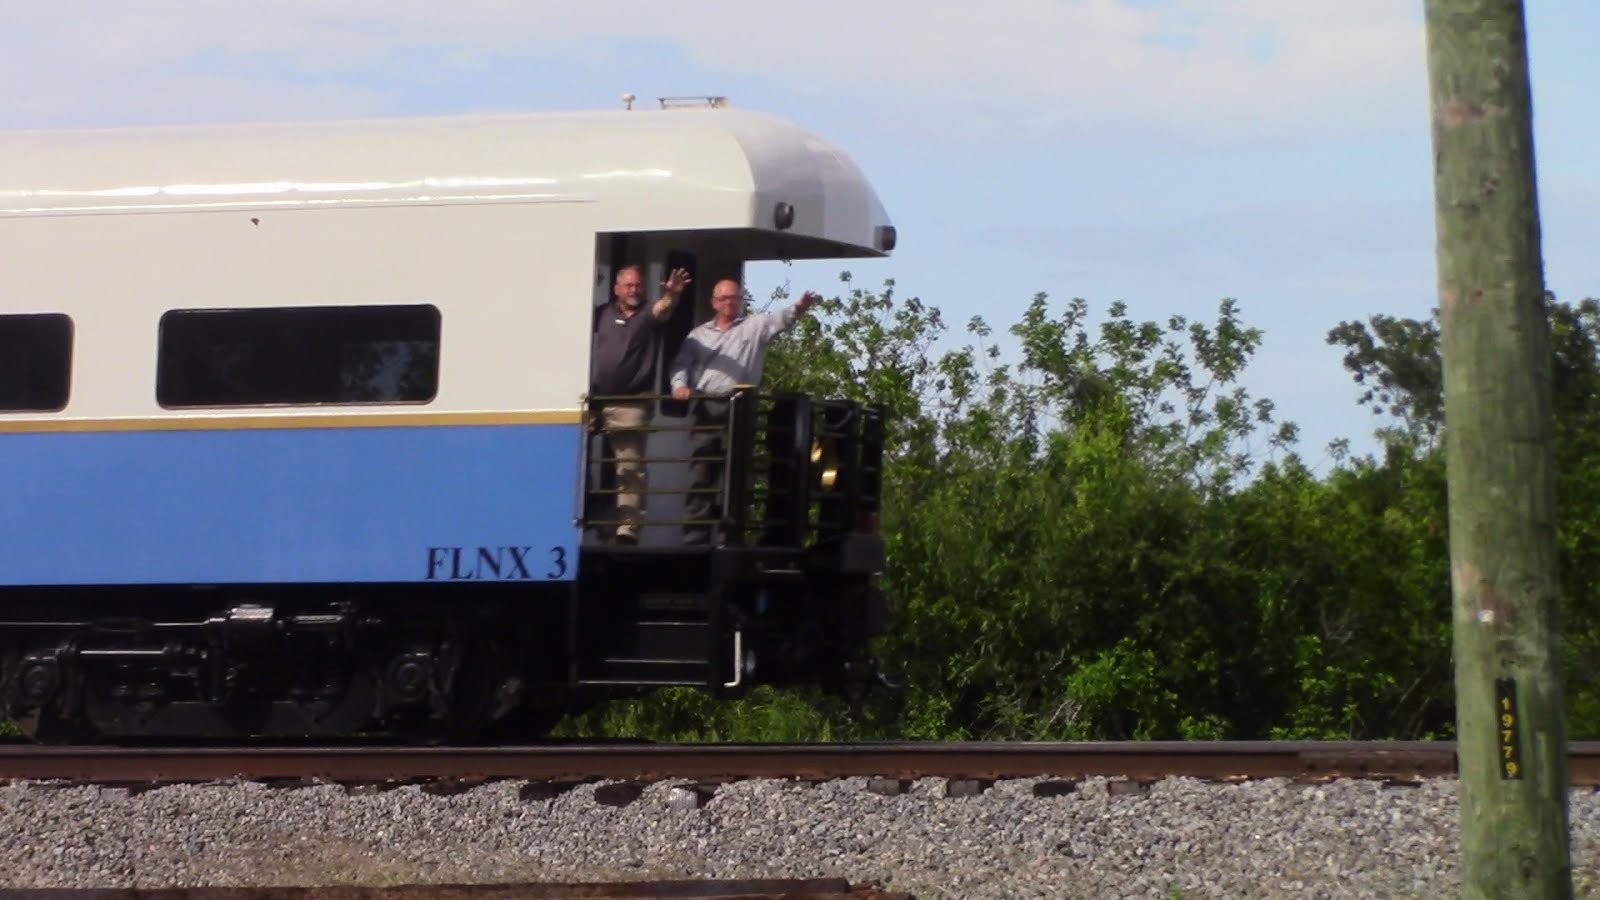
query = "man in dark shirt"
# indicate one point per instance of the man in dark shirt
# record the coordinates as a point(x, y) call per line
point(622, 363)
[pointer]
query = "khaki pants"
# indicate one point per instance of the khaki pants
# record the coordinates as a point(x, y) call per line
point(624, 424)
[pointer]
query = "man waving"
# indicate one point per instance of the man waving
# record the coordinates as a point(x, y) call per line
point(622, 364)
point(718, 356)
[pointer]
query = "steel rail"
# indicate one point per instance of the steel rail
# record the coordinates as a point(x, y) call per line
point(726, 889)
point(1210, 760)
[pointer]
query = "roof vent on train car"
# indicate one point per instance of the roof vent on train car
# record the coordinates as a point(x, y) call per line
point(694, 102)
point(783, 215)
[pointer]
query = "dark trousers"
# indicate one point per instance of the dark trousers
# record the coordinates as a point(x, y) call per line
point(708, 446)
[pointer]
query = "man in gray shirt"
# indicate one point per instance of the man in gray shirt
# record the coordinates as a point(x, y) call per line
point(622, 365)
point(718, 356)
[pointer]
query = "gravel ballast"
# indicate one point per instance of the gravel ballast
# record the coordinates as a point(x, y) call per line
point(1174, 838)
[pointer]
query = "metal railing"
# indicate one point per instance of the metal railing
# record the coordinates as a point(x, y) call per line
point(791, 468)
point(665, 416)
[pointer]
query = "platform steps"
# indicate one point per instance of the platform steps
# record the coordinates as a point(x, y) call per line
point(647, 620)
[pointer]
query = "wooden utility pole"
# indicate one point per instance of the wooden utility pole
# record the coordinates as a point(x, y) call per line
point(1510, 703)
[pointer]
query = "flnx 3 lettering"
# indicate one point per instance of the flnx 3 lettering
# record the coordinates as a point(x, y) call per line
point(492, 563)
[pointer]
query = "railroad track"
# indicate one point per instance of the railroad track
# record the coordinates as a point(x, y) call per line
point(720, 763)
point(747, 889)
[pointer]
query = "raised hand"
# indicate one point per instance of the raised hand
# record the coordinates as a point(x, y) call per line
point(676, 281)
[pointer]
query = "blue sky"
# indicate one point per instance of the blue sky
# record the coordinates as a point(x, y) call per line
point(1164, 153)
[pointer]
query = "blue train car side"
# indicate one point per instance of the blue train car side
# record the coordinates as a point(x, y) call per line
point(315, 504)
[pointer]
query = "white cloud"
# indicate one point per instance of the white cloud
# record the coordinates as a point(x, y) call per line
point(1013, 70)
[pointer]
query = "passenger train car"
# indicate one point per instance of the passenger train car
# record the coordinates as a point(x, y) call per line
point(295, 427)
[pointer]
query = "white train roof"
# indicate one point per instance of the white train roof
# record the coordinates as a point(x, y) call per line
point(645, 170)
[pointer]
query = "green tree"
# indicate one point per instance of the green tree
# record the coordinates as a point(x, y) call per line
point(1055, 554)
point(1397, 361)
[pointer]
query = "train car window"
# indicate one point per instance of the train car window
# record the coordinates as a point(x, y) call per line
point(35, 362)
point(298, 356)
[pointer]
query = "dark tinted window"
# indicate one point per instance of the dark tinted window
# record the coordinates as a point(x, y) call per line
point(298, 355)
point(35, 362)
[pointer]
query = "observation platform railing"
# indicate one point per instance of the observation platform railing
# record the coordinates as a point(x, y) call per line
point(790, 468)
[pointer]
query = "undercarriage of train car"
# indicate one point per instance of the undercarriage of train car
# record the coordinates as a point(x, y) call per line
point(787, 594)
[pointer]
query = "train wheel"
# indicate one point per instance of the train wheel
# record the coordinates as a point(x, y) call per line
point(467, 701)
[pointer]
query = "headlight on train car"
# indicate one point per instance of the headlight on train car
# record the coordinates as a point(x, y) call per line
point(825, 462)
